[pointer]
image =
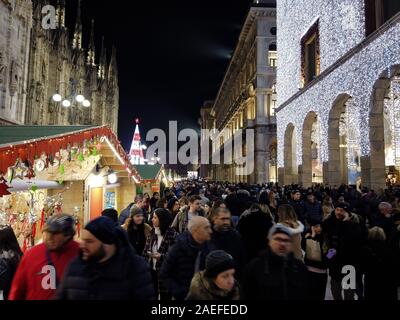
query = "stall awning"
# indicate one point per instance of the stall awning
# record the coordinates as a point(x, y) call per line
point(30, 142)
point(147, 172)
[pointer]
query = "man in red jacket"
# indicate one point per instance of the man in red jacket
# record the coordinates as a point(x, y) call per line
point(42, 268)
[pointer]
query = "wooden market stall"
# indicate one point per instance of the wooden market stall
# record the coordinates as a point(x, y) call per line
point(47, 170)
point(152, 179)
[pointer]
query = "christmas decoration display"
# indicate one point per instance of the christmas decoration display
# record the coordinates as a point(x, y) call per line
point(51, 151)
point(136, 152)
point(342, 29)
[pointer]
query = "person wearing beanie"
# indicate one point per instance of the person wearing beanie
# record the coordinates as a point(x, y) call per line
point(108, 267)
point(345, 234)
point(57, 250)
point(276, 274)
point(111, 213)
point(217, 281)
point(138, 230)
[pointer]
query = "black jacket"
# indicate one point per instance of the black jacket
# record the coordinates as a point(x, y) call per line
point(347, 238)
point(232, 243)
point(254, 226)
point(126, 276)
point(270, 277)
point(378, 263)
point(300, 209)
point(179, 265)
point(313, 211)
point(232, 203)
point(8, 266)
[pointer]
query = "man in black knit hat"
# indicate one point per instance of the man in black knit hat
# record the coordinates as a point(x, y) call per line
point(108, 268)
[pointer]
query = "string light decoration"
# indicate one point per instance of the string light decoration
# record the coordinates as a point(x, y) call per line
point(342, 27)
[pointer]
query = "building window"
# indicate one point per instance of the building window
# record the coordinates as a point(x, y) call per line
point(377, 12)
point(310, 54)
point(272, 56)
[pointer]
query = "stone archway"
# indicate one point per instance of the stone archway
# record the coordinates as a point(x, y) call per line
point(290, 156)
point(337, 173)
point(308, 143)
point(374, 173)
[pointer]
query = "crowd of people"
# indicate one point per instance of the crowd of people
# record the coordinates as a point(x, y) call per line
point(204, 240)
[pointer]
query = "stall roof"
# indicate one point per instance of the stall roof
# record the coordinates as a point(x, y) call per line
point(148, 172)
point(13, 134)
point(27, 142)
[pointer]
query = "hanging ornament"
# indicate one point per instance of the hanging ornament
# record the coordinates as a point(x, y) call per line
point(34, 188)
point(40, 165)
point(42, 220)
point(4, 187)
point(30, 173)
point(62, 169)
point(19, 171)
point(80, 157)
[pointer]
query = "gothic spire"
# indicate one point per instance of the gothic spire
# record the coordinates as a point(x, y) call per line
point(60, 14)
point(92, 49)
point(103, 61)
point(77, 41)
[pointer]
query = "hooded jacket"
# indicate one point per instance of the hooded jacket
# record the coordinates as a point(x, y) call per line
point(203, 288)
point(270, 277)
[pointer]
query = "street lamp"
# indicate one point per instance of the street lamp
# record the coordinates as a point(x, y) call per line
point(74, 96)
point(57, 97)
point(66, 103)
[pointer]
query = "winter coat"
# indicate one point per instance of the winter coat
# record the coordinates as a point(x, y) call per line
point(379, 266)
point(387, 224)
point(232, 203)
point(181, 220)
point(8, 266)
point(125, 214)
point(297, 229)
point(167, 242)
point(313, 211)
point(270, 277)
point(254, 226)
point(125, 276)
point(203, 288)
point(232, 243)
point(138, 237)
point(347, 237)
point(300, 209)
point(27, 282)
point(180, 264)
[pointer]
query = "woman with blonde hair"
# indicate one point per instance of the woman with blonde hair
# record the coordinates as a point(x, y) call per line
point(327, 206)
point(287, 216)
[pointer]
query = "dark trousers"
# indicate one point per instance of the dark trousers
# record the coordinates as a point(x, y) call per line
point(317, 285)
point(160, 290)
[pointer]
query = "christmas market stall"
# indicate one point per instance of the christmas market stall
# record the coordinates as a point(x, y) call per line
point(45, 170)
point(153, 178)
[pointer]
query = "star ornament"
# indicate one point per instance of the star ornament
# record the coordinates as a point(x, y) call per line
point(18, 171)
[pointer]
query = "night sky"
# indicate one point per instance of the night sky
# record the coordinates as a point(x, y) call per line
point(172, 55)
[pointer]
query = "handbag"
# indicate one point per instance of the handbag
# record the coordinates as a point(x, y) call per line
point(313, 250)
